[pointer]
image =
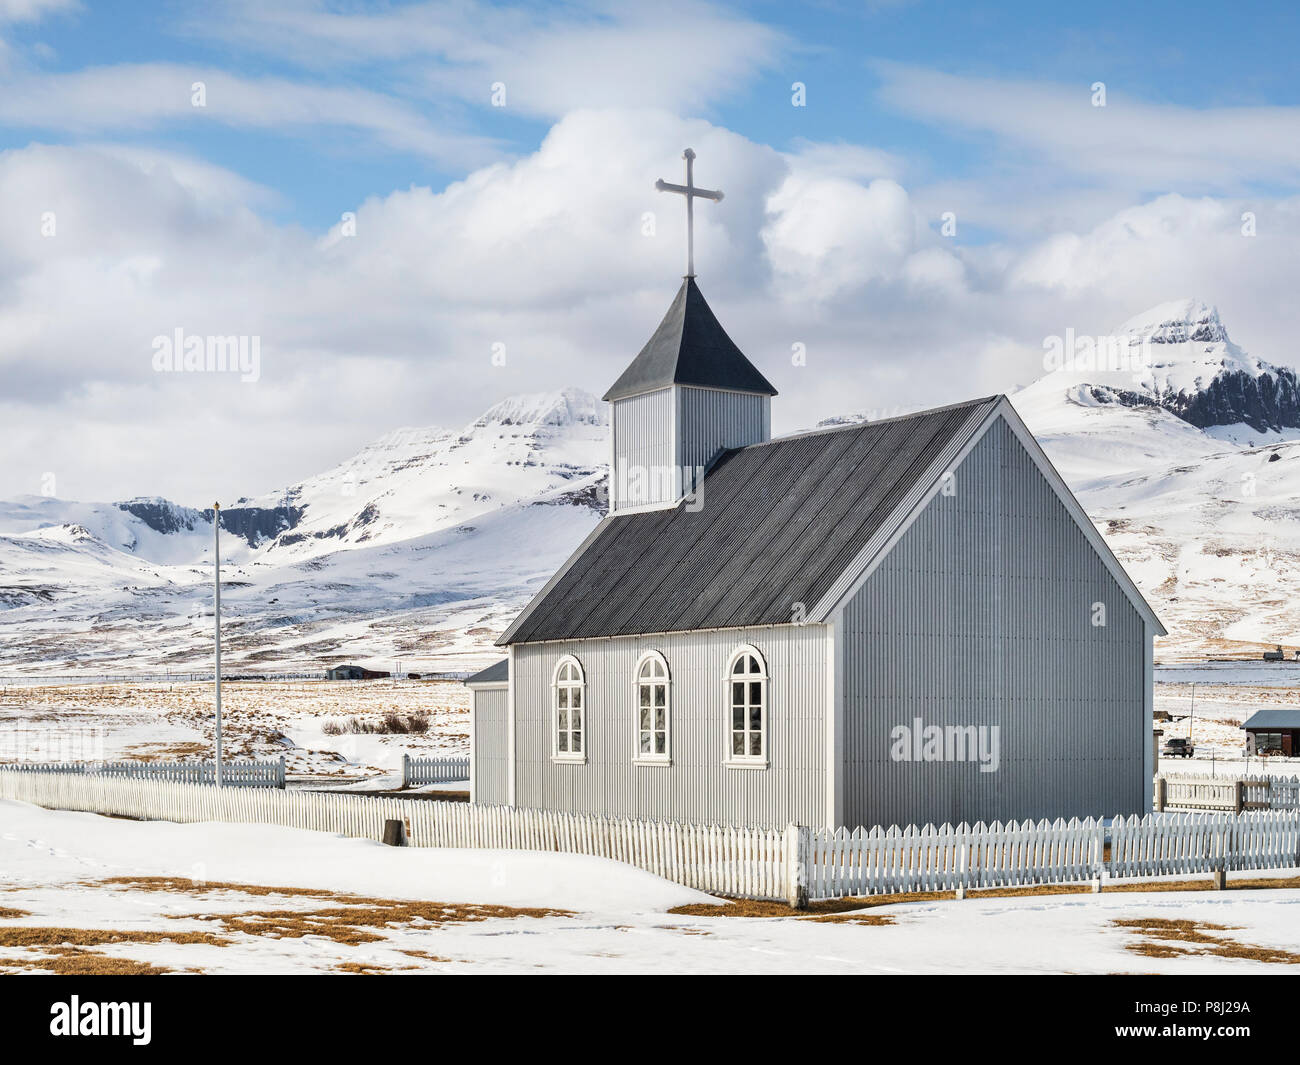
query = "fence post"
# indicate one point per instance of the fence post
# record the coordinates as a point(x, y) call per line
point(1160, 795)
point(1238, 795)
point(406, 770)
point(796, 866)
point(279, 777)
point(1098, 856)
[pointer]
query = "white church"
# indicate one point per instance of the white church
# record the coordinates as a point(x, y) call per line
point(903, 621)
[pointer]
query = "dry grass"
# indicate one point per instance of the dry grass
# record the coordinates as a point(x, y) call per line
point(1168, 938)
point(352, 920)
point(349, 920)
point(74, 961)
point(826, 907)
point(874, 920)
point(365, 920)
point(35, 936)
point(68, 951)
point(7, 914)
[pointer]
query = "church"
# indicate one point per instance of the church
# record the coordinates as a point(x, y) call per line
point(903, 621)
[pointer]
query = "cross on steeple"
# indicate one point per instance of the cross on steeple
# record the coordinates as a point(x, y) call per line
point(690, 191)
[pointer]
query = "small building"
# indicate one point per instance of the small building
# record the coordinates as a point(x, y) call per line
point(1277, 655)
point(350, 672)
point(1273, 732)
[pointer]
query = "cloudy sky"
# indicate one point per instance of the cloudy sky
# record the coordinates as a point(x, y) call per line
point(385, 194)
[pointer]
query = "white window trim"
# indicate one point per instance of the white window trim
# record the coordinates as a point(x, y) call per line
point(665, 759)
point(748, 761)
point(567, 757)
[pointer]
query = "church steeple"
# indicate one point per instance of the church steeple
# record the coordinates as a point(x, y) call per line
point(689, 394)
point(690, 347)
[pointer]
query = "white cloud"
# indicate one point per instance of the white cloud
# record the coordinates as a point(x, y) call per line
point(130, 97)
point(34, 10)
point(1128, 141)
point(395, 325)
point(680, 55)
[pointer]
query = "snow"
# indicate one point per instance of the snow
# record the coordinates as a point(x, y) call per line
point(262, 720)
point(44, 846)
point(54, 865)
point(424, 545)
point(420, 547)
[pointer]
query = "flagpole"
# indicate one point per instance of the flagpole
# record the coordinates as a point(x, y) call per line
point(216, 620)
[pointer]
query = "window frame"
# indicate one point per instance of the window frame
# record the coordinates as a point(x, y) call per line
point(570, 757)
point(763, 677)
point(651, 758)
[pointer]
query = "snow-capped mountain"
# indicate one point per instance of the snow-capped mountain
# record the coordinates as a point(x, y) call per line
point(1187, 459)
point(1184, 449)
point(424, 536)
point(1177, 357)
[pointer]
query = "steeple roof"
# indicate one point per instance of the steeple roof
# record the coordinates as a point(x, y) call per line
point(690, 347)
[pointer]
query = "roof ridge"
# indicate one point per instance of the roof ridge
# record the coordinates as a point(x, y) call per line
point(872, 421)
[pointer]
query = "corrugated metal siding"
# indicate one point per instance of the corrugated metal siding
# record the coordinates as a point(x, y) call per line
point(981, 615)
point(491, 707)
point(697, 787)
point(710, 421)
point(643, 437)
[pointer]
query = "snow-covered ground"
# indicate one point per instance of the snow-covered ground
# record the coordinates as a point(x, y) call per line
point(171, 722)
point(1207, 703)
point(71, 882)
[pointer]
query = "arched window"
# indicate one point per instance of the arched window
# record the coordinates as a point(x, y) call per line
point(652, 708)
point(747, 700)
point(569, 695)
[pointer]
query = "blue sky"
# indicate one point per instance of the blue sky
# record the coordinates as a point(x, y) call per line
point(1187, 54)
point(525, 225)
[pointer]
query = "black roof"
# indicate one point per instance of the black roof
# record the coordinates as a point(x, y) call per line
point(780, 522)
point(690, 347)
point(496, 673)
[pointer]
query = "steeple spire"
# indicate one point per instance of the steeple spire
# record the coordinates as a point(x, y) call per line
point(690, 191)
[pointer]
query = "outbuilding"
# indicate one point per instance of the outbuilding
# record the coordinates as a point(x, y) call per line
point(1273, 732)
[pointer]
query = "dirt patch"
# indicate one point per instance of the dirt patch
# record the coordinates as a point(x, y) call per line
point(7, 914)
point(1168, 938)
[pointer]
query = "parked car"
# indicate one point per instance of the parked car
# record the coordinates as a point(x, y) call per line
point(1178, 747)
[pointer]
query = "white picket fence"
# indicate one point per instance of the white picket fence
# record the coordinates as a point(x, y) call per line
point(1227, 793)
point(880, 861)
point(419, 771)
point(793, 864)
point(730, 861)
point(233, 774)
